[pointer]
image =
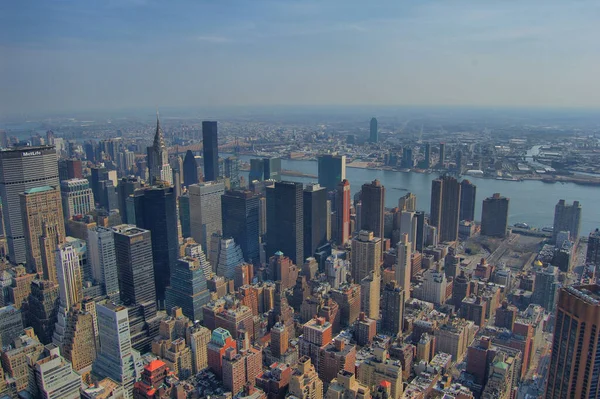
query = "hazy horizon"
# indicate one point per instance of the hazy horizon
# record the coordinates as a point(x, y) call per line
point(71, 56)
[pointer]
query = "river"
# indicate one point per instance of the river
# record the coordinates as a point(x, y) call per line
point(531, 201)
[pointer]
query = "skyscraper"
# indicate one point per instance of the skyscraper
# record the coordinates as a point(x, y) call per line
point(427, 155)
point(442, 155)
point(408, 203)
point(421, 234)
point(188, 288)
point(285, 220)
point(373, 133)
point(445, 207)
point(494, 216)
point(593, 248)
point(232, 171)
point(239, 211)
point(133, 247)
point(366, 256)
point(117, 359)
point(42, 309)
point(156, 211)
point(210, 150)
point(205, 211)
point(403, 265)
point(69, 276)
point(158, 158)
point(272, 169)
point(468, 193)
point(55, 377)
point(103, 260)
point(44, 228)
point(574, 368)
point(77, 197)
point(190, 169)
point(332, 170)
point(546, 283)
point(567, 218)
point(315, 218)
point(342, 208)
point(126, 187)
point(22, 169)
point(373, 200)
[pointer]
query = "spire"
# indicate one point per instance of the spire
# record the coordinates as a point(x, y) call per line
point(159, 138)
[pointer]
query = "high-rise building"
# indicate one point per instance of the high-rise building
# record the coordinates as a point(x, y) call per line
point(468, 192)
point(408, 203)
point(22, 169)
point(127, 187)
point(305, 382)
point(347, 296)
point(232, 171)
point(461, 288)
point(117, 359)
point(103, 260)
point(285, 220)
point(370, 295)
point(392, 309)
point(229, 257)
point(373, 202)
point(403, 264)
point(42, 217)
point(155, 210)
point(315, 218)
point(210, 150)
point(133, 248)
point(332, 170)
point(546, 283)
point(77, 197)
point(365, 256)
point(421, 233)
point(69, 276)
point(190, 169)
point(442, 155)
point(593, 248)
point(54, 376)
point(345, 385)
point(188, 288)
point(567, 218)
point(373, 133)
point(342, 209)
point(205, 211)
point(11, 325)
point(239, 211)
point(272, 169)
point(198, 337)
point(379, 368)
point(220, 341)
point(158, 158)
point(42, 309)
point(445, 207)
point(427, 156)
point(574, 368)
point(494, 216)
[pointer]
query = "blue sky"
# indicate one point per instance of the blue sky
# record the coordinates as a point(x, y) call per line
point(75, 55)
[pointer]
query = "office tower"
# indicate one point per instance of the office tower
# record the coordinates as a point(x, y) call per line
point(574, 368)
point(126, 187)
point(229, 257)
point(442, 155)
point(133, 248)
point(285, 220)
point(316, 334)
point(239, 211)
point(42, 217)
point(232, 171)
point(42, 309)
point(332, 170)
point(305, 382)
point(408, 203)
point(11, 325)
point(210, 150)
point(378, 368)
point(468, 193)
point(408, 226)
point(494, 216)
point(156, 211)
point(365, 255)
point(54, 376)
point(20, 286)
point(342, 208)
point(188, 288)
point(184, 215)
point(220, 341)
point(427, 155)
point(77, 197)
point(403, 264)
point(117, 359)
point(373, 133)
point(544, 291)
point(392, 309)
point(69, 276)
point(566, 218)
point(347, 296)
point(420, 236)
point(370, 295)
point(407, 161)
point(190, 169)
point(205, 211)
point(158, 158)
point(460, 289)
point(315, 218)
point(279, 340)
point(198, 338)
point(103, 260)
point(373, 200)
point(107, 195)
point(593, 248)
point(257, 170)
point(98, 174)
point(346, 386)
point(445, 207)
point(336, 270)
point(70, 169)
point(272, 169)
point(23, 169)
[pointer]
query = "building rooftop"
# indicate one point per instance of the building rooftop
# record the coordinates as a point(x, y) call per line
point(154, 365)
point(41, 189)
point(587, 293)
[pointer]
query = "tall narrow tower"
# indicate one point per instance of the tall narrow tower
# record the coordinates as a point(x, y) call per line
point(158, 157)
point(403, 272)
point(210, 149)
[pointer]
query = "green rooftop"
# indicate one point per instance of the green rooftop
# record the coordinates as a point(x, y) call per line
point(38, 189)
point(501, 365)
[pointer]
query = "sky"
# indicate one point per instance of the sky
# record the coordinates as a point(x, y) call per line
point(71, 55)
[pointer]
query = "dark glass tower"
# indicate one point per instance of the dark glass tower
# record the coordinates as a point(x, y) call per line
point(126, 187)
point(442, 155)
point(184, 215)
point(468, 193)
point(190, 169)
point(210, 150)
point(494, 216)
point(372, 211)
point(373, 133)
point(445, 207)
point(315, 218)
point(239, 212)
point(272, 168)
point(285, 220)
point(332, 170)
point(155, 210)
point(420, 236)
point(188, 288)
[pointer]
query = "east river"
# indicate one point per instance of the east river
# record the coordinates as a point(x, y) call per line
point(531, 201)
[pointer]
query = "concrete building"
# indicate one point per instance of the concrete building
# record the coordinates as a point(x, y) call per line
point(372, 210)
point(567, 218)
point(103, 260)
point(370, 295)
point(454, 338)
point(285, 220)
point(365, 255)
point(378, 368)
point(392, 309)
point(468, 194)
point(305, 382)
point(345, 386)
point(77, 197)
point(16, 360)
point(403, 264)
point(332, 170)
point(335, 357)
point(42, 309)
point(11, 325)
point(188, 288)
point(445, 207)
point(197, 338)
point(494, 216)
point(206, 211)
point(55, 377)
